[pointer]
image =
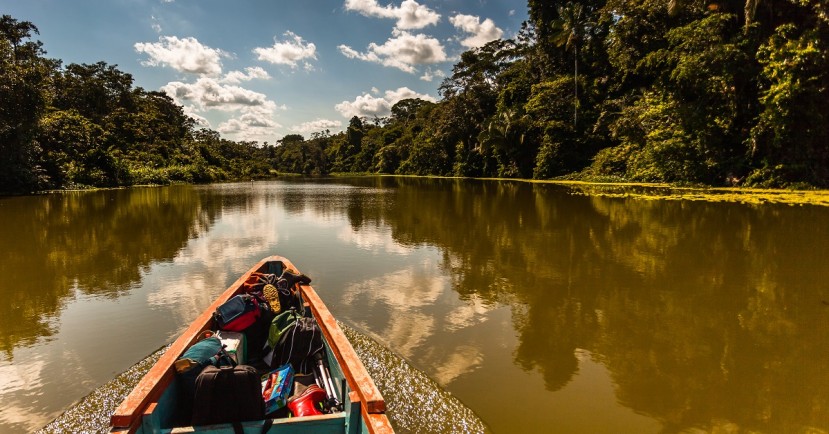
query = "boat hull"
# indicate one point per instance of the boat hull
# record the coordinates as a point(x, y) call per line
point(151, 406)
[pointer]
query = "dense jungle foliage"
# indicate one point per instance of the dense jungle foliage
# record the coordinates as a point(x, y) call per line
point(685, 91)
point(87, 126)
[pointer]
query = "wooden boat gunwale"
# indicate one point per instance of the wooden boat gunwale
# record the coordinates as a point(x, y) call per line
point(142, 400)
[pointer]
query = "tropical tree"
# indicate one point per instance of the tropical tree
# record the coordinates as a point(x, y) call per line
point(351, 146)
point(406, 110)
point(25, 83)
point(790, 141)
point(94, 90)
point(569, 31)
point(504, 136)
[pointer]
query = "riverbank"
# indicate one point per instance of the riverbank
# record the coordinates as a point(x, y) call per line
point(663, 191)
point(645, 191)
point(709, 194)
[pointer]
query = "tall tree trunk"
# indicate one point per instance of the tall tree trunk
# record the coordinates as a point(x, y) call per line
point(576, 86)
point(750, 11)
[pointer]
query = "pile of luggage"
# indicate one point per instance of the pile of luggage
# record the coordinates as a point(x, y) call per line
point(264, 358)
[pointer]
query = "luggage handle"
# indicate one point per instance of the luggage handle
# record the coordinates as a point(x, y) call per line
point(223, 354)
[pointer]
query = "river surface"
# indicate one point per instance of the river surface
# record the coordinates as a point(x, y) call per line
point(538, 309)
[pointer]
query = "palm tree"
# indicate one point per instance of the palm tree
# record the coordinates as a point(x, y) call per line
point(502, 132)
point(568, 31)
point(505, 133)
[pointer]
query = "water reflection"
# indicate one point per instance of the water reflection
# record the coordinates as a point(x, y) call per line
point(93, 242)
point(704, 313)
point(539, 308)
point(96, 279)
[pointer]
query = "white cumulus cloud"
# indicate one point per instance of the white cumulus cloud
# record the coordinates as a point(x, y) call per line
point(250, 126)
point(430, 74)
point(289, 52)
point(250, 73)
point(207, 93)
point(201, 121)
point(481, 32)
point(366, 105)
point(409, 15)
point(184, 55)
point(317, 125)
point(403, 51)
point(254, 111)
point(247, 121)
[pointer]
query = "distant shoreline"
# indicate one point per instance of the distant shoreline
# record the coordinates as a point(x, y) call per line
point(632, 190)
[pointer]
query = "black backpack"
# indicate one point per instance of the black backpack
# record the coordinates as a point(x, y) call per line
point(298, 344)
point(204, 353)
point(257, 334)
point(228, 395)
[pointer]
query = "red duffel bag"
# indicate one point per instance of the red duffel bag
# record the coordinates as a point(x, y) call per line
point(238, 313)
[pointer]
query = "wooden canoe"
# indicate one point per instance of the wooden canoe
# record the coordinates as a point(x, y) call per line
point(150, 406)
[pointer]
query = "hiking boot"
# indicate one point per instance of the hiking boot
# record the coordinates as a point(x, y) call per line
point(293, 279)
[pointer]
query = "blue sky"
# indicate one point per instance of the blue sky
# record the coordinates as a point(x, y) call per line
point(259, 69)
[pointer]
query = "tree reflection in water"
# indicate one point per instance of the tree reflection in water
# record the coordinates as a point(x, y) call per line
point(97, 242)
point(706, 314)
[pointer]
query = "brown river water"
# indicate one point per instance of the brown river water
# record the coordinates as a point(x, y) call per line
point(477, 305)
